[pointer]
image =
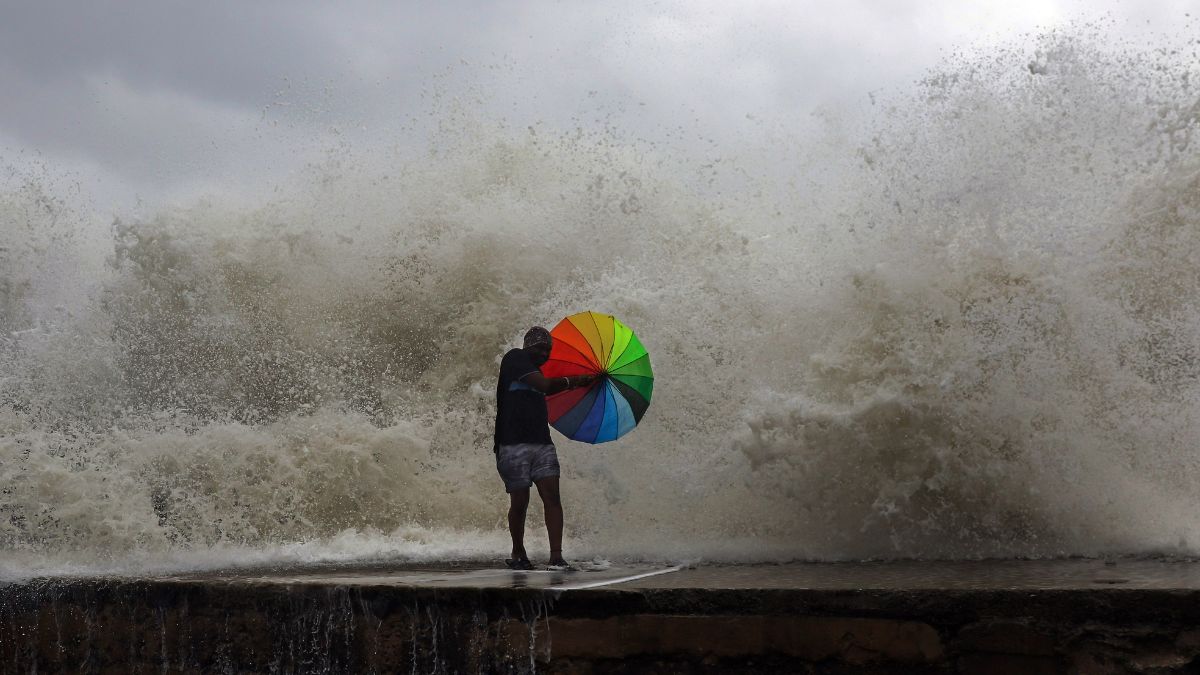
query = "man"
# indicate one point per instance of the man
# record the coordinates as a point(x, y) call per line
point(525, 454)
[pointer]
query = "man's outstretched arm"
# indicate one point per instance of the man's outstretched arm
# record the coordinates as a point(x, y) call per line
point(553, 385)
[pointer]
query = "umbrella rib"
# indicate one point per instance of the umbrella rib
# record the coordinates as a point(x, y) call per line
point(599, 335)
point(598, 406)
point(613, 358)
point(576, 414)
point(644, 353)
point(568, 345)
point(569, 328)
point(632, 397)
point(609, 419)
point(623, 366)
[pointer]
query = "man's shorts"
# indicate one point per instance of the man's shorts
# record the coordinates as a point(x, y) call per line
point(521, 464)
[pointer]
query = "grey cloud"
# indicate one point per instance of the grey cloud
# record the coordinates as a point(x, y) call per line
point(166, 90)
point(155, 87)
point(229, 51)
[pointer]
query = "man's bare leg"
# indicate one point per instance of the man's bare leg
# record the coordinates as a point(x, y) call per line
point(552, 505)
point(517, 505)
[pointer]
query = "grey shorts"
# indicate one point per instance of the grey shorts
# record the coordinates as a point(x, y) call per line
point(521, 464)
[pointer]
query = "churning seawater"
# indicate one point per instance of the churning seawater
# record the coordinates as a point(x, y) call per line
point(966, 327)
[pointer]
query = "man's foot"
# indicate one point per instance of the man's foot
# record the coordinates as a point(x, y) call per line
point(559, 565)
point(518, 563)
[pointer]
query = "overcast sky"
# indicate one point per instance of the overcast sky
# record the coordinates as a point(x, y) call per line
point(162, 99)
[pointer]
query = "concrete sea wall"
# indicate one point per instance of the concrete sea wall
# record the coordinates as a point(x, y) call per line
point(319, 626)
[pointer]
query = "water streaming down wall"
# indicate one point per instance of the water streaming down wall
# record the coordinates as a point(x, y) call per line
point(968, 331)
point(133, 626)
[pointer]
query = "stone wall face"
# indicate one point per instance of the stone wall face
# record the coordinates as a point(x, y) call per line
point(207, 627)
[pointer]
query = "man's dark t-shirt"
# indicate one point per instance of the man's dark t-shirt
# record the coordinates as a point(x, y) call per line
point(520, 409)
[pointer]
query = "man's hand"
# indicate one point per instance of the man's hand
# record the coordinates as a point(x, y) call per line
point(583, 380)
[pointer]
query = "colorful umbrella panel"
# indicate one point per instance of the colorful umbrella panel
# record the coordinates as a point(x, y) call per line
point(589, 342)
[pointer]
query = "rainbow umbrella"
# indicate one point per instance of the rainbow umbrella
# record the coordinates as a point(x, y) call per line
point(588, 342)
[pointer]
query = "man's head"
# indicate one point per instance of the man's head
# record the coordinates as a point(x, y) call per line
point(537, 343)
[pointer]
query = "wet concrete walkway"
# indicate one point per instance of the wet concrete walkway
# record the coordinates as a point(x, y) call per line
point(457, 576)
point(984, 575)
point(1081, 616)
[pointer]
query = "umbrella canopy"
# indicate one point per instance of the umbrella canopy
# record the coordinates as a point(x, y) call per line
point(612, 406)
